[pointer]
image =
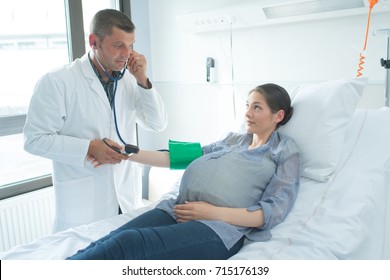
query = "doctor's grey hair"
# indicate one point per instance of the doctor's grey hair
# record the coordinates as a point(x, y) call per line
point(277, 98)
point(104, 20)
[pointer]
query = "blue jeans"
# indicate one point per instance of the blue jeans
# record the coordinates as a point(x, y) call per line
point(156, 235)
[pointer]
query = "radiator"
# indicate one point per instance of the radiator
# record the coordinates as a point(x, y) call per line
point(26, 217)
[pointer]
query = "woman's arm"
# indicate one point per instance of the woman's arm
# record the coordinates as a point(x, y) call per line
point(152, 158)
point(200, 210)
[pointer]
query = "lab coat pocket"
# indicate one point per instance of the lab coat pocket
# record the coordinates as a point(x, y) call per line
point(74, 200)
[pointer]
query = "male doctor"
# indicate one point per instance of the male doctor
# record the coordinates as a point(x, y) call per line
point(72, 110)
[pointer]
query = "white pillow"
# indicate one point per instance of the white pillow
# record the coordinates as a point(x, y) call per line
point(321, 112)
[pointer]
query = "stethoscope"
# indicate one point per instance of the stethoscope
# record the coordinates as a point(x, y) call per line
point(115, 80)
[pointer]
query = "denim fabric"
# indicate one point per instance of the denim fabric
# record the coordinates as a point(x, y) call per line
point(156, 235)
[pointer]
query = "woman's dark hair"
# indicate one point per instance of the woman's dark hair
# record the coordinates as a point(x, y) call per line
point(277, 98)
point(104, 20)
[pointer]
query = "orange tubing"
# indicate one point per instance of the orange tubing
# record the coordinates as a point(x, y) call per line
point(362, 57)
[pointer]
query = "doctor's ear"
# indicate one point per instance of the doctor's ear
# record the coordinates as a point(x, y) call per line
point(93, 41)
point(92, 44)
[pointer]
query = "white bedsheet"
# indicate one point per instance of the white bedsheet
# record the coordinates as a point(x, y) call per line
point(347, 217)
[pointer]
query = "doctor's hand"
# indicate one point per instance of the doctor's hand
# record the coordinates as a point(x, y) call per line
point(99, 153)
point(136, 64)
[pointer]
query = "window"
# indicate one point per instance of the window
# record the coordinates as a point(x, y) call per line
point(33, 43)
point(90, 7)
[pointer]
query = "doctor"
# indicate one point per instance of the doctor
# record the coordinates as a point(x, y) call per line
point(72, 109)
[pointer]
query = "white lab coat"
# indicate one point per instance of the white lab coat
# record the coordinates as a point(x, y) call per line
point(68, 109)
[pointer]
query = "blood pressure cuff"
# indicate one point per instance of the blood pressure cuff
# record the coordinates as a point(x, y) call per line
point(181, 154)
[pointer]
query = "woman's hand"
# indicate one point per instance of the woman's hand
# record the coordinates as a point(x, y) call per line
point(197, 210)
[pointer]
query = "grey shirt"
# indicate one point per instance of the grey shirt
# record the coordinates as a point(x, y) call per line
point(229, 174)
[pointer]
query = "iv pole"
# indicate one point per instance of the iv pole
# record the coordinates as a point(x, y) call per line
point(386, 63)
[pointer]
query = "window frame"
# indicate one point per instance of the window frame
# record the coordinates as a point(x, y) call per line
point(12, 124)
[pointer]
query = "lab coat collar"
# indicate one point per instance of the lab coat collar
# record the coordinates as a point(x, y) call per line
point(95, 84)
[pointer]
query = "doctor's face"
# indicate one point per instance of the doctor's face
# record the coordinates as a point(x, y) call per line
point(115, 49)
point(259, 117)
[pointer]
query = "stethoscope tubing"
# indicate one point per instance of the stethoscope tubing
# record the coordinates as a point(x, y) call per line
point(115, 80)
point(114, 111)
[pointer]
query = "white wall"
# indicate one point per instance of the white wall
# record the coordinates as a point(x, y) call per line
point(307, 51)
point(313, 50)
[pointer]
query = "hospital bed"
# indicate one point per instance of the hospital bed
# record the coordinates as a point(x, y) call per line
point(343, 207)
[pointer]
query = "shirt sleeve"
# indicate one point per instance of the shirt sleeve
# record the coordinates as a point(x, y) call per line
point(281, 192)
point(230, 140)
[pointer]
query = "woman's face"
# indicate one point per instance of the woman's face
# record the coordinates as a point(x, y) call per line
point(259, 117)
